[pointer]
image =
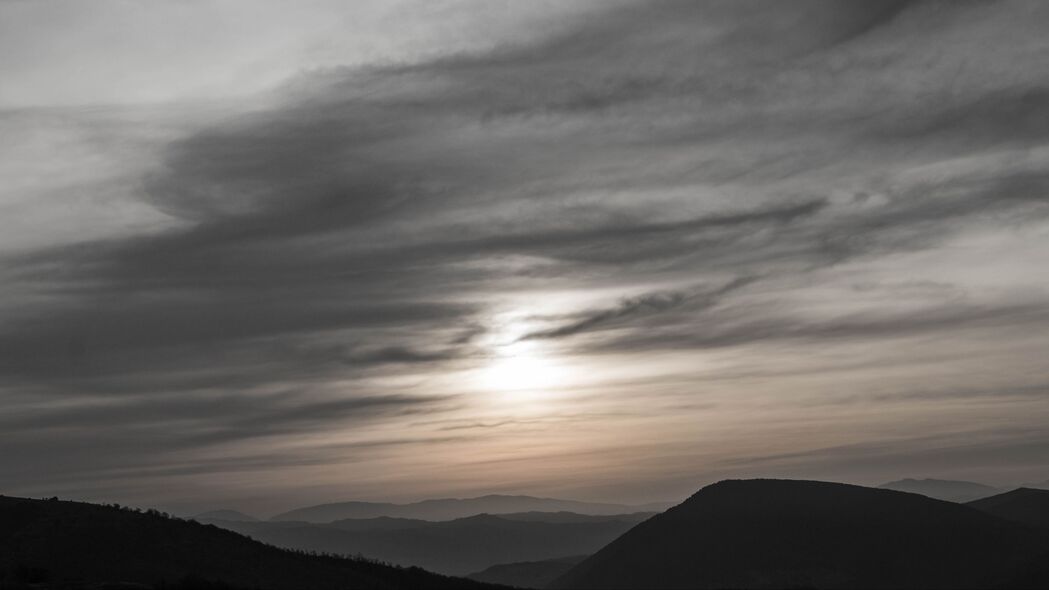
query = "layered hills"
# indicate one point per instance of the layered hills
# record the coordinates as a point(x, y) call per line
point(52, 543)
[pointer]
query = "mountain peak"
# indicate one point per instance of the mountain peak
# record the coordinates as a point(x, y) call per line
point(942, 489)
point(801, 533)
point(1026, 505)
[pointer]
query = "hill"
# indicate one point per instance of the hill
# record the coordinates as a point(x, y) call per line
point(781, 533)
point(458, 547)
point(527, 574)
point(570, 517)
point(1021, 505)
point(382, 523)
point(73, 545)
point(452, 508)
point(232, 515)
point(943, 489)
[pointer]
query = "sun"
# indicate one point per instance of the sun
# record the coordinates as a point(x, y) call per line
point(521, 367)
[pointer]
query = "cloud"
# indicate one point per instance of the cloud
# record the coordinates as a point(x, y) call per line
point(745, 326)
point(688, 177)
point(957, 453)
point(642, 306)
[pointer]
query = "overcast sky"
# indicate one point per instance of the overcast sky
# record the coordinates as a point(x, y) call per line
point(259, 255)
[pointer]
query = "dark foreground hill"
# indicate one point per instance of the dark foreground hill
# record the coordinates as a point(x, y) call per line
point(943, 489)
point(451, 508)
point(1021, 505)
point(456, 547)
point(51, 543)
point(805, 534)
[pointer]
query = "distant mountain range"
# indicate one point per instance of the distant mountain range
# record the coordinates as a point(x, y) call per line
point(1025, 505)
point(733, 534)
point(452, 508)
point(231, 515)
point(943, 489)
point(1040, 485)
point(458, 547)
point(805, 534)
point(73, 545)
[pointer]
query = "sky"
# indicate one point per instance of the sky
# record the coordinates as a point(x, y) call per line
point(261, 255)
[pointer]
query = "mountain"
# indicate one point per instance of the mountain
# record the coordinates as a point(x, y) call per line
point(1020, 505)
point(527, 574)
point(457, 547)
point(382, 523)
point(232, 515)
point(942, 489)
point(787, 534)
point(452, 508)
point(1041, 485)
point(51, 543)
point(569, 517)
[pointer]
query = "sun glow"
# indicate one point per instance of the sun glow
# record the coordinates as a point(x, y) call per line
point(521, 368)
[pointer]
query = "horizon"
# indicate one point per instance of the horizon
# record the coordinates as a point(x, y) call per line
point(784, 529)
point(190, 512)
point(673, 502)
point(262, 255)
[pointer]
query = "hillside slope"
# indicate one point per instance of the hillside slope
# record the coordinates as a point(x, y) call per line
point(63, 543)
point(527, 574)
point(1024, 505)
point(781, 533)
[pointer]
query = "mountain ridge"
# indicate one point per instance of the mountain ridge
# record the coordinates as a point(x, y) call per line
point(440, 509)
point(943, 489)
point(225, 514)
point(77, 544)
point(796, 533)
point(527, 574)
point(1029, 506)
point(454, 547)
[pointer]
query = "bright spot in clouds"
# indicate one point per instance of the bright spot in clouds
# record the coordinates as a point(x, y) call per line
point(522, 368)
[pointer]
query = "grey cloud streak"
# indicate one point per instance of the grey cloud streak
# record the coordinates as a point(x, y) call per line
point(645, 305)
point(740, 327)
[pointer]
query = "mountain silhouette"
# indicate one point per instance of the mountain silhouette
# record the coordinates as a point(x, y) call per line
point(806, 534)
point(452, 508)
point(52, 543)
point(232, 515)
point(943, 489)
point(1024, 505)
point(458, 547)
point(382, 523)
point(527, 574)
point(570, 517)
